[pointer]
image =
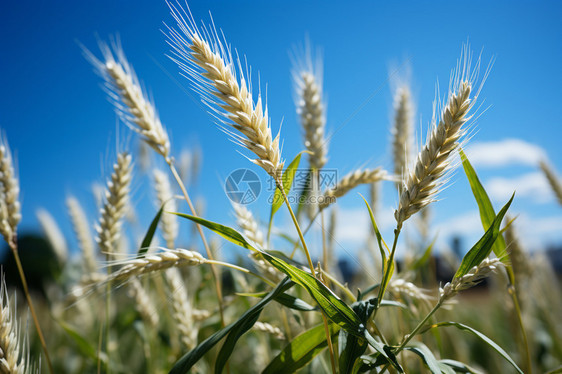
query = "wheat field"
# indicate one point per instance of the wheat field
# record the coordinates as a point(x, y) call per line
point(155, 287)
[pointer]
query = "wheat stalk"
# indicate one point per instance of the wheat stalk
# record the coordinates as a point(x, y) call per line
point(82, 230)
point(422, 182)
point(208, 63)
point(402, 131)
point(169, 222)
point(113, 210)
point(10, 208)
point(553, 179)
point(130, 100)
point(166, 259)
point(13, 355)
point(349, 182)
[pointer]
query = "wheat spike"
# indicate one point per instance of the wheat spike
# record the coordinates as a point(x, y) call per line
point(402, 286)
point(245, 220)
point(166, 259)
point(54, 234)
point(422, 182)
point(10, 208)
point(270, 329)
point(130, 100)
point(82, 230)
point(470, 279)
point(181, 308)
point(169, 222)
point(553, 179)
point(113, 210)
point(402, 131)
point(250, 228)
point(349, 182)
point(307, 79)
point(13, 355)
point(143, 303)
point(208, 63)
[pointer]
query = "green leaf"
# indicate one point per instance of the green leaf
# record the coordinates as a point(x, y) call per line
point(384, 350)
point(336, 310)
point(426, 255)
point(287, 180)
point(483, 247)
point(150, 233)
point(226, 232)
point(482, 337)
point(350, 346)
point(459, 367)
point(387, 263)
point(83, 344)
point(366, 363)
point(487, 213)
point(426, 355)
point(446, 369)
point(304, 193)
point(284, 299)
point(393, 303)
point(301, 350)
point(378, 235)
point(245, 322)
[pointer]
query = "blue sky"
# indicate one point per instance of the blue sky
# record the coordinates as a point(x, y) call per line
point(65, 134)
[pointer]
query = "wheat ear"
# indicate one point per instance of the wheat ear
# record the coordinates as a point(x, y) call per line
point(10, 208)
point(113, 210)
point(250, 228)
point(165, 195)
point(402, 131)
point(470, 279)
point(143, 303)
point(130, 100)
point(84, 235)
point(166, 259)
point(270, 329)
point(54, 234)
point(553, 179)
point(181, 308)
point(13, 355)
point(402, 286)
point(208, 63)
point(349, 182)
point(422, 182)
point(10, 216)
point(311, 109)
point(246, 221)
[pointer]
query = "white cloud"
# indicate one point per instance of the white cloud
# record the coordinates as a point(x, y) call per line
point(354, 224)
point(465, 225)
point(538, 232)
point(505, 152)
point(533, 232)
point(531, 185)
